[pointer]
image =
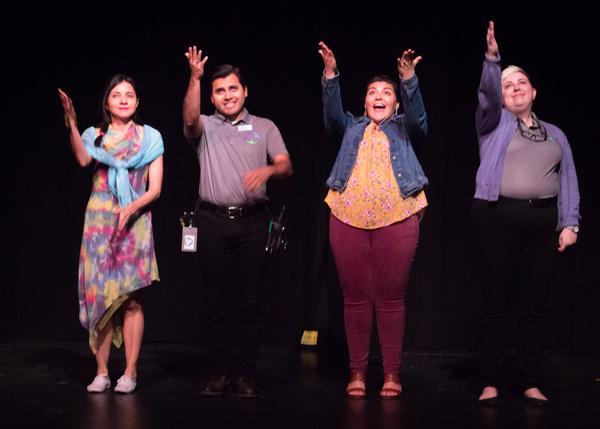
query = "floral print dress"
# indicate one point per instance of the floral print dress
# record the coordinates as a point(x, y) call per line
point(114, 263)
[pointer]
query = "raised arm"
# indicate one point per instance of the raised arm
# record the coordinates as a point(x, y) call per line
point(192, 122)
point(489, 109)
point(492, 45)
point(333, 113)
point(83, 158)
point(414, 110)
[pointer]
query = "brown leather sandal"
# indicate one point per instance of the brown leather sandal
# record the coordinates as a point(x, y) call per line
point(357, 392)
point(393, 392)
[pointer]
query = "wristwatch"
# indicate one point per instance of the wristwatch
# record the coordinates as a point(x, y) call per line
point(573, 228)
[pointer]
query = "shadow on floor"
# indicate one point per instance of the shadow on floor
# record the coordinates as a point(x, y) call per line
point(42, 385)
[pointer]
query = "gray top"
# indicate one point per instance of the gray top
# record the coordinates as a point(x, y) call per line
point(531, 167)
point(227, 151)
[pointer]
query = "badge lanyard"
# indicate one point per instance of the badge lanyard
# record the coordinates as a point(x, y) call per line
point(189, 233)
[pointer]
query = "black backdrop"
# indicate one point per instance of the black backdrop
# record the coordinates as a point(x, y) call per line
point(78, 46)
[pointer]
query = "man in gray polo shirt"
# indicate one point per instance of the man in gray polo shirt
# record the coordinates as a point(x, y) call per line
point(233, 149)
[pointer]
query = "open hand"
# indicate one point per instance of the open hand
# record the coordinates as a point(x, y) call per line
point(328, 60)
point(492, 45)
point(407, 64)
point(67, 105)
point(196, 62)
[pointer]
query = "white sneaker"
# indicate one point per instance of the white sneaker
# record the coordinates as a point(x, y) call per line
point(125, 384)
point(100, 384)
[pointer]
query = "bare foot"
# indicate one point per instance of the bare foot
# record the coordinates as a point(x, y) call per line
point(391, 389)
point(391, 386)
point(356, 388)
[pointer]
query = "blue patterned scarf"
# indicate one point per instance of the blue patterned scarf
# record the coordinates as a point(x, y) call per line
point(118, 170)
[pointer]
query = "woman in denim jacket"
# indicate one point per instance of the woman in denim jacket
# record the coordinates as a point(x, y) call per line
point(526, 210)
point(377, 199)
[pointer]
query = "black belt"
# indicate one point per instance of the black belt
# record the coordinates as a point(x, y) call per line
point(233, 212)
point(540, 203)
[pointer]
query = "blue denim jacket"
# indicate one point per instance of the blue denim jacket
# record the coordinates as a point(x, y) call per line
point(402, 131)
point(496, 127)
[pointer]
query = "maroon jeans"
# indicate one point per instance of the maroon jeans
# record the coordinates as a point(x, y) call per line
point(373, 267)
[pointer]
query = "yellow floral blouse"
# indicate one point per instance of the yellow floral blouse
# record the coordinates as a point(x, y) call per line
point(372, 198)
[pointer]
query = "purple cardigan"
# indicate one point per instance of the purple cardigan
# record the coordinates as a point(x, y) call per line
point(495, 129)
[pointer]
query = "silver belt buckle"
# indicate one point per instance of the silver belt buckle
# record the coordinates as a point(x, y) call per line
point(234, 212)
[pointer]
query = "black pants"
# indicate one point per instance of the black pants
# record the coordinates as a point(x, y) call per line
point(517, 245)
point(232, 255)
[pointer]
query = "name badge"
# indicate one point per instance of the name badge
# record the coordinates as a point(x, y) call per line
point(245, 127)
point(189, 236)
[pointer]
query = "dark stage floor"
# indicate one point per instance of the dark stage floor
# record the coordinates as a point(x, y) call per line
point(42, 385)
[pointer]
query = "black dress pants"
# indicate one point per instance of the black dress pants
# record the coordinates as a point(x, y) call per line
point(517, 245)
point(232, 256)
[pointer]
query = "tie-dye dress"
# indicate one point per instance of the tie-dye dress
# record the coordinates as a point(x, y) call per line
point(113, 263)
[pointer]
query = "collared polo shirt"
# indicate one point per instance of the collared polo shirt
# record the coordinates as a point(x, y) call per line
point(227, 151)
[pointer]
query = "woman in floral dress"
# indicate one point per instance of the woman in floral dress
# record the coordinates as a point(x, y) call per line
point(376, 196)
point(117, 255)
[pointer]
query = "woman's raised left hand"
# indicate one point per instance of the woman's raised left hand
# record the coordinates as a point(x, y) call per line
point(407, 64)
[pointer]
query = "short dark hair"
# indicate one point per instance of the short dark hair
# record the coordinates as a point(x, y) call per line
point(383, 78)
point(225, 70)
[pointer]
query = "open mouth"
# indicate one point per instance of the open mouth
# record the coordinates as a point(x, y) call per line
point(379, 107)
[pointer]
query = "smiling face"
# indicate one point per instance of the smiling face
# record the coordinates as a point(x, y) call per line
point(122, 102)
point(380, 102)
point(517, 94)
point(228, 96)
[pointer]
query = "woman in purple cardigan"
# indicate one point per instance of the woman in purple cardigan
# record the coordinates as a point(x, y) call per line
point(526, 210)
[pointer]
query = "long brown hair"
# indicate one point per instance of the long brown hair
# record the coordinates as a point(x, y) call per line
point(103, 125)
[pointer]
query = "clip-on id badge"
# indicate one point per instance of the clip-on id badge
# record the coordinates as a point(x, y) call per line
point(189, 234)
